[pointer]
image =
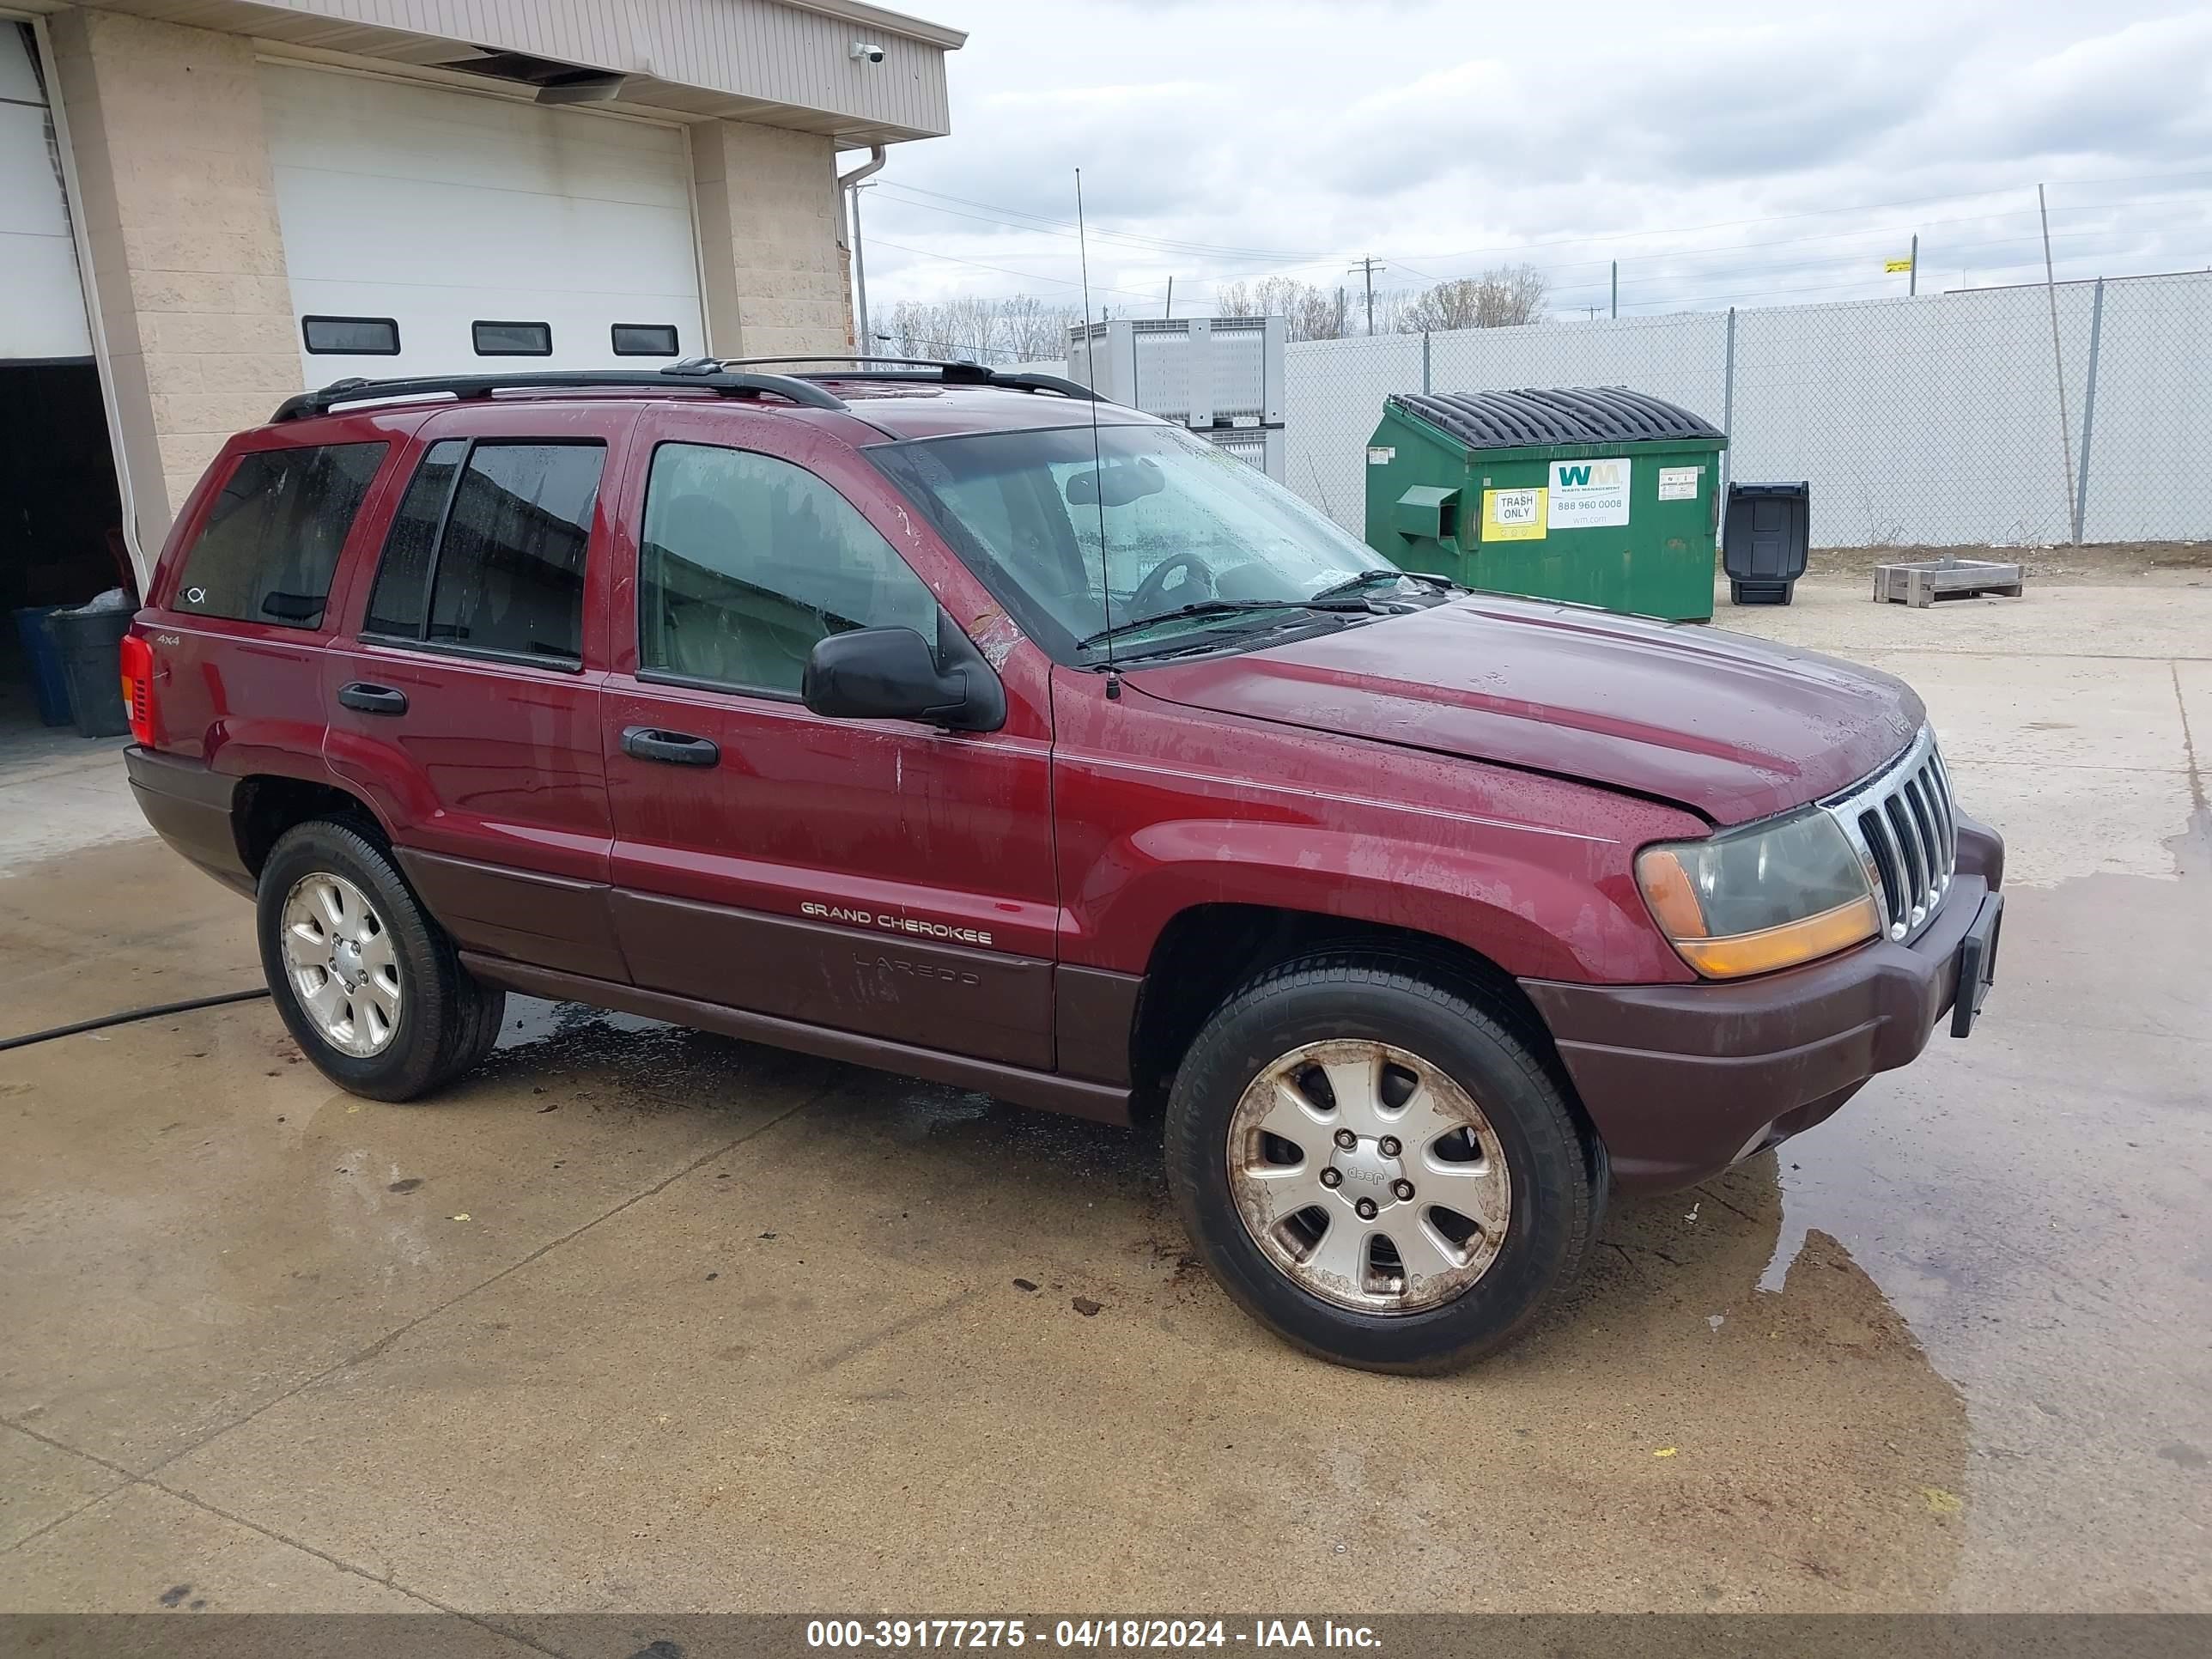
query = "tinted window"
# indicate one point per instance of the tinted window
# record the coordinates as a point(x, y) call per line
point(645, 339)
point(512, 339)
point(395, 605)
point(356, 336)
point(748, 560)
point(501, 548)
point(272, 538)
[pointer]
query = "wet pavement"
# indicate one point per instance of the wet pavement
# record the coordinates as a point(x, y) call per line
point(640, 1318)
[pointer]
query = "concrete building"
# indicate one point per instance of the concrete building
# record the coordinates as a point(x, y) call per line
point(207, 205)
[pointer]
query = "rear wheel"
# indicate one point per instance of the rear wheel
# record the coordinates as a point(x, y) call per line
point(366, 982)
point(1375, 1161)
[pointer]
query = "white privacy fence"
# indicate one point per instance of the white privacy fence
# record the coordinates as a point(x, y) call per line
point(1936, 420)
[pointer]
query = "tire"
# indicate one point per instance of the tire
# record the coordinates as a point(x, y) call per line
point(1343, 1008)
point(414, 1017)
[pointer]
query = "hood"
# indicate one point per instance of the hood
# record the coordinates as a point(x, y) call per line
point(1733, 727)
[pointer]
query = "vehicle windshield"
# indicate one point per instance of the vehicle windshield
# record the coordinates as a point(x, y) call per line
point(1183, 537)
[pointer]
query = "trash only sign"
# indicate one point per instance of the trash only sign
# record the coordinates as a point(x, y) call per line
point(1513, 515)
point(1586, 495)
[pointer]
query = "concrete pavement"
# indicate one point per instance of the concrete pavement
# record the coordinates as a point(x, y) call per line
point(638, 1318)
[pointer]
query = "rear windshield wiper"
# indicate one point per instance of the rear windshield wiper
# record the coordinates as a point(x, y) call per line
point(1219, 608)
point(1373, 578)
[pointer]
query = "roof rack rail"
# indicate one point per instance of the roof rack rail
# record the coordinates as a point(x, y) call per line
point(703, 373)
point(923, 371)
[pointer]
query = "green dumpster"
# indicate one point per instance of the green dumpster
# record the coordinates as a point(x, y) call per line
point(1600, 495)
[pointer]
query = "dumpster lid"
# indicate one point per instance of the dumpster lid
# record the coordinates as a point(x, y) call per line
point(1566, 414)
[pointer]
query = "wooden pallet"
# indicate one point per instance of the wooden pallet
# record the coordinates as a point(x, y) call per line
point(1921, 584)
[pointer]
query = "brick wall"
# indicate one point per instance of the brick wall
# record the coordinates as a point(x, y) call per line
point(180, 211)
point(768, 231)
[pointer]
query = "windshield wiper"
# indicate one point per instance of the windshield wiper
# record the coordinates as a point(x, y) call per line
point(1220, 608)
point(1368, 578)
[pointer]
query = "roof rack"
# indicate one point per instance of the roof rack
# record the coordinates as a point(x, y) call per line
point(702, 373)
point(919, 371)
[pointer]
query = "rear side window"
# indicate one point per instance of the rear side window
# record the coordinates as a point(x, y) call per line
point(271, 542)
point(486, 553)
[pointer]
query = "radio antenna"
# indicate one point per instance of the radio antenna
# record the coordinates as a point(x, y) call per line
point(1098, 465)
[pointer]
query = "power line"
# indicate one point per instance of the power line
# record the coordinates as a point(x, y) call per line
point(1006, 270)
point(1061, 227)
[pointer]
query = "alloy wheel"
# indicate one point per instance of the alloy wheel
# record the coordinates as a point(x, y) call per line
point(1369, 1176)
point(343, 968)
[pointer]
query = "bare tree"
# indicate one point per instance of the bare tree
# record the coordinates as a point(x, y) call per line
point(1502, 297)
point(977, 328)
point(1036, 328)
point(1308, 313)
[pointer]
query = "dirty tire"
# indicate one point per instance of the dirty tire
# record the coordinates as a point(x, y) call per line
point(447, 1022)
point(1486, 1047)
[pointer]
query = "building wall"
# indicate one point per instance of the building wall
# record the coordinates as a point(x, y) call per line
point(181, 214)
point(165, 124)
point(769, 240)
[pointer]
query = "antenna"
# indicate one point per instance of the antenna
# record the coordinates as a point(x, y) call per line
point(1098, 465)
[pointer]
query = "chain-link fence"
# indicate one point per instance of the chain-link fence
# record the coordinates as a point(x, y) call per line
point(1934, 421)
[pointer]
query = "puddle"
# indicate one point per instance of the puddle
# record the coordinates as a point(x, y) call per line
point(2017, 1199)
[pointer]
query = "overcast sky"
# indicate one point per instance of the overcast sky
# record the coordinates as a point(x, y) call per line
point(1724, 153)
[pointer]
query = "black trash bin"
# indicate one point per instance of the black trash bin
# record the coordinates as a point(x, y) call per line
point(1763, 540)
point(90, 645)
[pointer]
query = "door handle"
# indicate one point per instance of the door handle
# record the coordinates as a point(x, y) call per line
point(372, 699)
point(650, 743)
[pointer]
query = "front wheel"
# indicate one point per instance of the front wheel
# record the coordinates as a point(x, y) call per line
point(1375, 1163)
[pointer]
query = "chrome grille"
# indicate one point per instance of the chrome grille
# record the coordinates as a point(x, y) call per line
point(1903, 825)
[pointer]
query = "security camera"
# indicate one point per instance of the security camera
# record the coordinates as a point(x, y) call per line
point(867, 51)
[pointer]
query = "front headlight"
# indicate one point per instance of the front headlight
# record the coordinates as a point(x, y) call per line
point(1754, 900)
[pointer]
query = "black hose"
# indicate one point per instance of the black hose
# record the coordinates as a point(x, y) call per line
point(130, 1014)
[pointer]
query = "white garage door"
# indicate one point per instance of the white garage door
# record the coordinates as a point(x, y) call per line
point(41, 307)
point(479, 231)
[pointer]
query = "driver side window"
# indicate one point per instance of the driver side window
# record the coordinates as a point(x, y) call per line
point(747, 562)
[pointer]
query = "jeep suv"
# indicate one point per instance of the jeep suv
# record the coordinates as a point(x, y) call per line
point(957, 724)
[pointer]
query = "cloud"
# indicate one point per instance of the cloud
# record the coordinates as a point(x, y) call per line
point(1739, 154)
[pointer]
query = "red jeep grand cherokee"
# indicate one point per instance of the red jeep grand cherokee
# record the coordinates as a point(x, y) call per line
point(957, 724)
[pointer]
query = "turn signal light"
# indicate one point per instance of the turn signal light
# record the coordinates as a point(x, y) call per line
point(138, 687)
point(1784, 947)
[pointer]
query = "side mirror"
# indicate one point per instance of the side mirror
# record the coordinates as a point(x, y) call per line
point(891, 674)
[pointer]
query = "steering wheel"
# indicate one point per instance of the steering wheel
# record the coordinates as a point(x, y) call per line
point(1147, 601)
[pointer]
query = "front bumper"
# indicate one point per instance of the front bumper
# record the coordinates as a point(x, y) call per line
point(1681, 1081)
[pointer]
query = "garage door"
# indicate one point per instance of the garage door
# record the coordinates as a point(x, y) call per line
point(430, 231)
point(41, 307)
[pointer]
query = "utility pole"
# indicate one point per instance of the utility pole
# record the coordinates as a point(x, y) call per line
point(2057, 359)
point(1168, 310)
point(1912, 277)
point(861, 274)
point(1367, 268)
point(1616, 291)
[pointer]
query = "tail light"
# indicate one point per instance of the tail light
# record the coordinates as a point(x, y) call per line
point(138, 687)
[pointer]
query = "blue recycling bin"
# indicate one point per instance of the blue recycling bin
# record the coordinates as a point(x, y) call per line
point(49, 679)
